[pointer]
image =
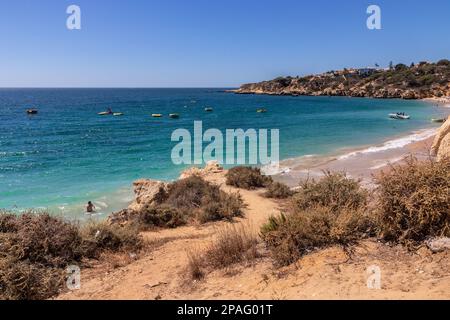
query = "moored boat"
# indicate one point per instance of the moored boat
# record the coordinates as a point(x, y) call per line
point(32, 111)
point(156, 115)
point(174, 115)
point(399, 116)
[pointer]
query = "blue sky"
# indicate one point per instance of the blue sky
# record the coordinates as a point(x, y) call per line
point(208, 43)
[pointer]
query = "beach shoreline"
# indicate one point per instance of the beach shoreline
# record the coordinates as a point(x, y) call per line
point(439, 101)
point(363, 162)
point(360, 162)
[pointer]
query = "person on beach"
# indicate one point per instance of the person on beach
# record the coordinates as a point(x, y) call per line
point(90, 208)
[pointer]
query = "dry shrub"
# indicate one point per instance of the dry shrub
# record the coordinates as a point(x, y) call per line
point(414, 201)
point(247, 178)
point(334, 190)
point(22, 280)
point(234, 244)
point(101, 236)
point(277, 190)
point(8, 222)
point(291, 236)
point(160, 216)
point(41, 238)
point(191, 199)
point(35, 248)
point(227, 207)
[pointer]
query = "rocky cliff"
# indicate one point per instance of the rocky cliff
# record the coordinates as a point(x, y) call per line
point(424, 80)
point(441, 144)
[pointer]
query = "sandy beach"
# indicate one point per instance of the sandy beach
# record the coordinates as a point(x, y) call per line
point(364, 162)
point(361, 163)
point(442, 101)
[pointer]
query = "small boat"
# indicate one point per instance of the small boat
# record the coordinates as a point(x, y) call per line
point(104, 113)
point(439, 120)
point(156, 115)
point(209, 109)
point(262, 110)
point(117, 114)
point(399, 116)
point(174, 115)
point(32, 111)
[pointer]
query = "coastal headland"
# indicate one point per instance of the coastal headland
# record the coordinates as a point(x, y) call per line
point(424, 80)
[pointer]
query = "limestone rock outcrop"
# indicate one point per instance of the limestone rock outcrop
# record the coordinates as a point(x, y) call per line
point(211, 167)
point(146, 192)
point(441, 144)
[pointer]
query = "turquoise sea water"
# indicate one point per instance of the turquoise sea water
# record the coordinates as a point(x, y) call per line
point(67, 154)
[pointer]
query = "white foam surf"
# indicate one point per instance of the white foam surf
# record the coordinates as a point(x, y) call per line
point(393, 144)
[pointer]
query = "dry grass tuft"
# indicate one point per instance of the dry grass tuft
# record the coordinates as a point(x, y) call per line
point(233, 245)
point(247, 178)
point(414, 201)
point(195, 265)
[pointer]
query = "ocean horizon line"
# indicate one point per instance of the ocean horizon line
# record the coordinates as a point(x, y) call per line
point(97, 88)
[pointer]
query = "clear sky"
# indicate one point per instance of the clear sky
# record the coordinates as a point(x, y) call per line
point(209, 43)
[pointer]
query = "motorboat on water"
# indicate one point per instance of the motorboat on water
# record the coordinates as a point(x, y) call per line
point(32, 111)
point(438, 120)
point(174, 115)
point(262, 110)
point(156, 115)
point(209, 109)
point(399, 116)
point(106, 113)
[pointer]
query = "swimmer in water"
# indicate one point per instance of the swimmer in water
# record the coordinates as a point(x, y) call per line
point(90, 208)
